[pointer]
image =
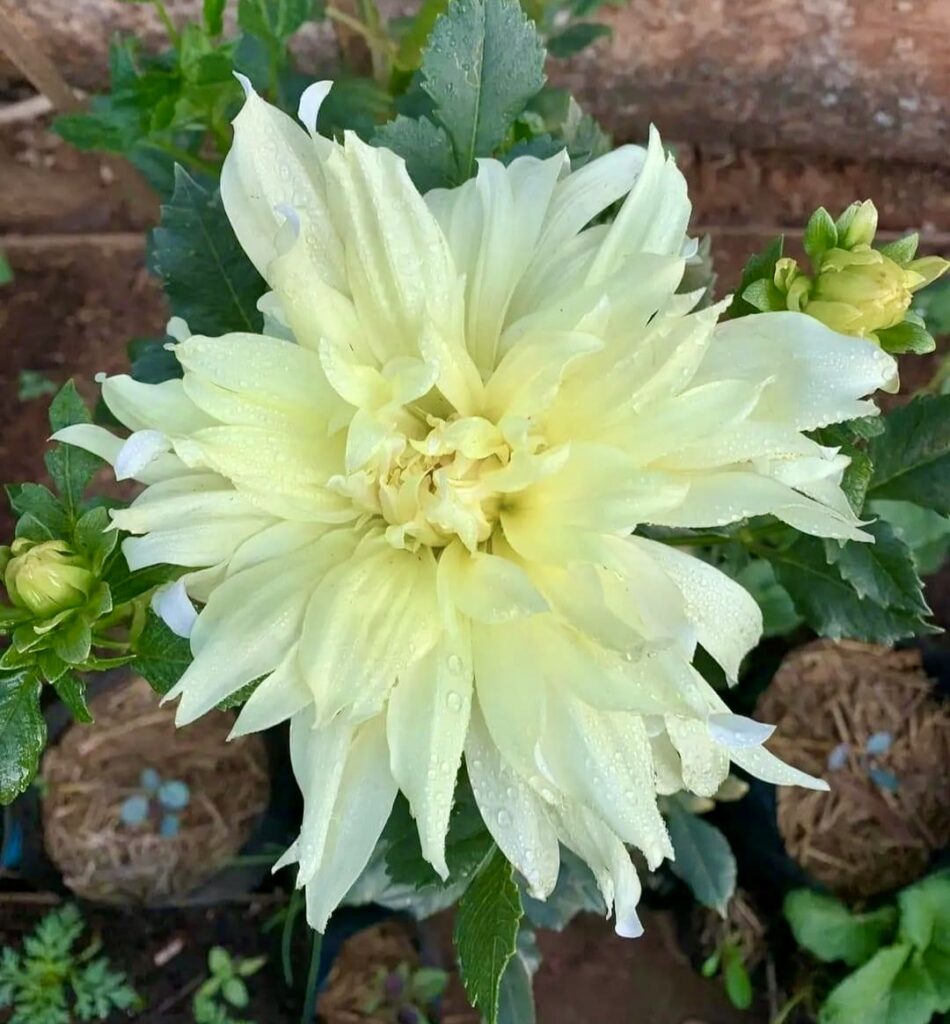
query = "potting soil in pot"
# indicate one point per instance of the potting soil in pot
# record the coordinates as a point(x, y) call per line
point(137, 810)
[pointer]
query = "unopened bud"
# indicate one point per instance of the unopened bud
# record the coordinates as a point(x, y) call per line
point(46, 577)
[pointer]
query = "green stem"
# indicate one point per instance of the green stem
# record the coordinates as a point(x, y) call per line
point(310, 999)
point(357, 26)
point(111, 645)
point(167, 22)
point(185, 158)
point(785, 1012)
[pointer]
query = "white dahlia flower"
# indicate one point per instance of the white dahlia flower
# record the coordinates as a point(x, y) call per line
point(410, 504)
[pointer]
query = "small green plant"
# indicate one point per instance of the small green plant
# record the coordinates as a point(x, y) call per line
point(901, 954)
point(49, 982)
point(728, 961)
point(405, 996)
point(225, 988)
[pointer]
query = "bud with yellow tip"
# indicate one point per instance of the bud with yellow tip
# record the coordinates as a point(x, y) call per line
point(853, 287)
point(46, 577)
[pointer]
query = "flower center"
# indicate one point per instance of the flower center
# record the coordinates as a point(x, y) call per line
point(436, 487)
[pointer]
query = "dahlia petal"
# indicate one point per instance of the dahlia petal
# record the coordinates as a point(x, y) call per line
point(279, 696)
point(399, 269)
point(107, 446)
point(727, 619)
point(171, 604)
point(139, 451)
point(244, 631)
point(653, 217)
point(513, 813)
point(704, 763)
point(152, 407)
point(426, 723)
point(594, 842)
point(196, 545)
point(603, 760)
point(318, 756)
point(486, 587)
point(817, 375)
point(363, 804)
point(369, 619)
point(274, 163)
point(766, 766)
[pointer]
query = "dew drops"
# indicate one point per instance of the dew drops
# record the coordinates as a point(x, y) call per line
point(455, 665)
point(503, 818)
point(453, 701)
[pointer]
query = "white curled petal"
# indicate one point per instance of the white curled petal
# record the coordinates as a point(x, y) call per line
point(318, 756)
point(173, 606)
point(727, 619)
point(818, 376)
point(427, 719)
point(603, 760)
point(766, 766)
point(364, 801)
point(734, 731)
point(514, 814)
point(704, 763)
point(587, 836)
point(140, 451)
point(276, 698)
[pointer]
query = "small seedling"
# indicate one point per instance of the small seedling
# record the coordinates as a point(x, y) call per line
point(48, 982)
point(225, 988)
point(735, 977)
point(405, 996)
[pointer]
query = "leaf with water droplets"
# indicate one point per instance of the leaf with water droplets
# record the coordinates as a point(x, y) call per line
point(486, 933)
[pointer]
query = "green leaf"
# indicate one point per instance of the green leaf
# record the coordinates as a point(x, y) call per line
point(925, 913)
point(160, 656)
point(576, 37)
point(424, 146)
point(235, 992)
point(903, 250)
point(736, 978)
point(906, 337)
point(486, 932)
point(820, 235)
point(94, 539)
point(763, 296)
point(126, 586)
point(274, 22)
point(516, 996)
point(412, 41)
point(760, 266)
point(778, 612)
point(827, 929)
point(467, 843)
point(883, 572)
point(22, 732)
point(865, 995)
point(212, 14)
point(43, 516)
point(828, 602)
point(152, 362)
point(6, 272)
point(703, 859)
point(925, 532)
point(913, 996)
point(71, 690)
point(207, 278)
point(483, 63)
point(72, 641)
point(354, 104)
point(912, 456)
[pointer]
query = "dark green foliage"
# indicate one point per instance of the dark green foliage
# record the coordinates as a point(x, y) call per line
point(160, 656)
point(486, 933)
point(208, 280)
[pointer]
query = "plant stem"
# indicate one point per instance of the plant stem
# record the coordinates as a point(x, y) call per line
point(185, 158)
point(167, 22)
point(310, 998)
point(357, 26)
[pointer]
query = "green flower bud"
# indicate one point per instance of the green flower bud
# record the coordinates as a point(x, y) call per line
point(857, 225)
point(854, 288)
point(46, 577)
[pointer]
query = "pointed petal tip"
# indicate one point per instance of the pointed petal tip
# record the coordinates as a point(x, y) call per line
point(311, 101)
point(731, 730)
point(245, 84)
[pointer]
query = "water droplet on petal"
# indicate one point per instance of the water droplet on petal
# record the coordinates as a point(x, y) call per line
point(453, 701)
